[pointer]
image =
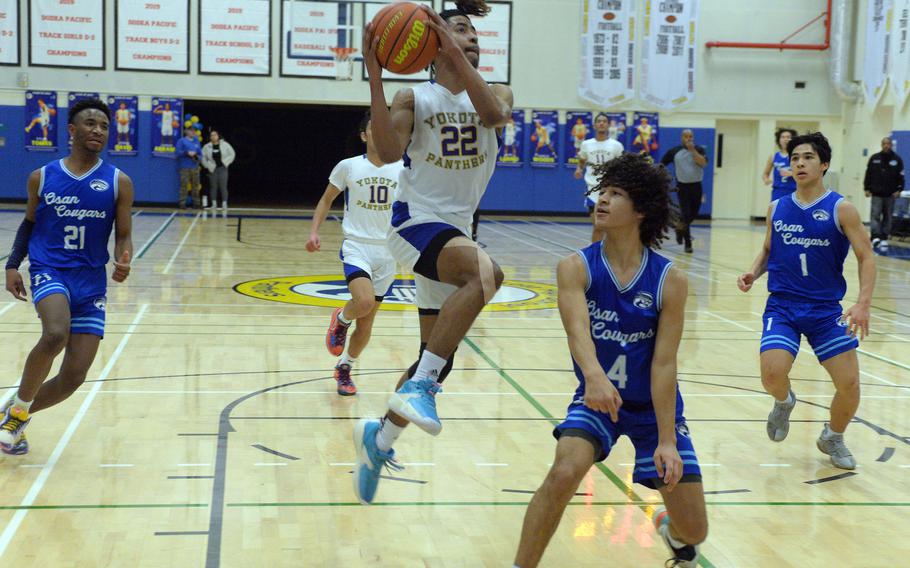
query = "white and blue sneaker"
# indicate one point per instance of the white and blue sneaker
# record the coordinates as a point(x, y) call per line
point(370, 460)
point(416, 401)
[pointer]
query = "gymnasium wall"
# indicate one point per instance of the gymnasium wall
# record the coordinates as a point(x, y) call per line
point(732, 84)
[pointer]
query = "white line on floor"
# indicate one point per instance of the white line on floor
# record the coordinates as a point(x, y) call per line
point(271, 464)
point(115, 465)
point(33, 465)
point(167, 267)
point(8, 307)
point(342, 464)
point(723, 319)
point(566, 394)
point(10, 531)
point(491, 464)
point(419, 464)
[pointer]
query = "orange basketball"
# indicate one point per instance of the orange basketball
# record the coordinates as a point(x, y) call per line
point(51, 111)
point(407, 43)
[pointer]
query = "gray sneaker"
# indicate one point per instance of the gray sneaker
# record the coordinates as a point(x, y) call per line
point(834, 446)
point(779, 419)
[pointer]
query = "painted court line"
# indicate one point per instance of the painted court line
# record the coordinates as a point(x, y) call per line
point(7, 308)
point(491, 464)
point(115, 465)
point(13, 526)
point(155, 235)
point(170, 263)
point(774, 465)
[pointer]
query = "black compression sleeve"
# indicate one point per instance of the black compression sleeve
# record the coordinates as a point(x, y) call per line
point(20, 245)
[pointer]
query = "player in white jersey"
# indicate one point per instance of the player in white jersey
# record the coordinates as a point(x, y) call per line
point(593, 152)
point(167, 123)
point(369, 188)
point(123, 116)
point(447, 131)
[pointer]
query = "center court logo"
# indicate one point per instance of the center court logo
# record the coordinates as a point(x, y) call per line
point(332, 291)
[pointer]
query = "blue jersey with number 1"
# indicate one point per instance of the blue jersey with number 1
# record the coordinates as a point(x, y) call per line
point(75, 216)
point(808, 248)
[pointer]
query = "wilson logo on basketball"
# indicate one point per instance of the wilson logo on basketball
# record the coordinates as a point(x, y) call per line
point(387, 31)
point(609, 16)
point(418, 29)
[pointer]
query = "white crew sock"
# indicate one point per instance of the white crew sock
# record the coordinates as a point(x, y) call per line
point(346, 360)
point(387, 434)
point(430, 365)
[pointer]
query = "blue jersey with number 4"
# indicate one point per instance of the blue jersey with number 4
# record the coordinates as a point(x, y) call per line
point(808, 248)
point(75, 216)
point(624, 322)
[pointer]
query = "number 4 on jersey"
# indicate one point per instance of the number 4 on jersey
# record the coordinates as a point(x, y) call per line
point(617, 372)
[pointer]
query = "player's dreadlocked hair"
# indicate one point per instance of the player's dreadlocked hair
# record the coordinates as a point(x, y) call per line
point(466, 8)
point(648, 186)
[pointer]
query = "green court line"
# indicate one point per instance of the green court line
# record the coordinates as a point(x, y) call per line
point(619, 483)
point(113, 506)
point(571, 504)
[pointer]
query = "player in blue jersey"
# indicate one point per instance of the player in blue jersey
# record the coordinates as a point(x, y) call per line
point(73, 205)
point(809, 234)
point(622, 306)
point(777, 172)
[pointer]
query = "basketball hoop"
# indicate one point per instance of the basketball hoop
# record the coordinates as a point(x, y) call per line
point(344, 65)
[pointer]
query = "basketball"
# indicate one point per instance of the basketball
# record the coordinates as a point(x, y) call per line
point(407, 43)
point(52, 111)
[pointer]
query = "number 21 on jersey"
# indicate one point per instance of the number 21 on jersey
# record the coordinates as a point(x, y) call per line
point(74, 237)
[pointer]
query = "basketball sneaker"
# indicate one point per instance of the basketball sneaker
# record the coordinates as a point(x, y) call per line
point(779, 418)
point(685, 557)
point(20, 448)
point(15, 419)
point(346, 386)
point(416, 401)
point(336, 334)
point(370, 460)
point(832, 443)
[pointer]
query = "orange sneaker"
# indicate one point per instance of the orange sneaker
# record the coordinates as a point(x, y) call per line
point(346, 386)
point(336, 335)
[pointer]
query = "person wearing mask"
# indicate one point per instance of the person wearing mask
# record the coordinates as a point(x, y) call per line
point(217, 157)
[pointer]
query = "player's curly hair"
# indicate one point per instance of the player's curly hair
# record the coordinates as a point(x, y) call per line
point(84, 104)
point(648, 186)
point(467, 8)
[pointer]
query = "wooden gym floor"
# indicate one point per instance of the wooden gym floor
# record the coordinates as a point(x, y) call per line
point(209, 432)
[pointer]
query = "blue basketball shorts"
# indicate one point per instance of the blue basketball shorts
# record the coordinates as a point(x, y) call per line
point(85, 289)
point(640, 425)
point(785, 321)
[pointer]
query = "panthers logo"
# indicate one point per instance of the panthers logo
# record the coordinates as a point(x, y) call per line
point(820, 215)
point(643, 300)
point(98, 185)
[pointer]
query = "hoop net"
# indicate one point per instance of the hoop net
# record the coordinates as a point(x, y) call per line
point(344, 65)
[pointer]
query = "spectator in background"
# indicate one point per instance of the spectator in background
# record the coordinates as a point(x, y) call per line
point(188, 150)
point(217, 156)
point(689, 162)
point(782, 182)
point(884, 181)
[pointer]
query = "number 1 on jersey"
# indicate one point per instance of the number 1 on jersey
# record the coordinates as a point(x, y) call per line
point(617, 372)
point(802, 262)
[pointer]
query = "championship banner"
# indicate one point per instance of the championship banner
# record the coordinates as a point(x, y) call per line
point(607, 52)
point(900, 51)
point(123, 139)
point(494, 37)
point(544, 126)
point(510, 151)
point(166, 115)
point(74, 98)
point(41, 120)
point(875, 60)
point(309, 33)
point(235, 37)
point(369, 12)
point(617, 129)
point(153, 36)
point(579, 127)
point(644, 134)
point(668, 56)
point(9, 32)
point(67, 34)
